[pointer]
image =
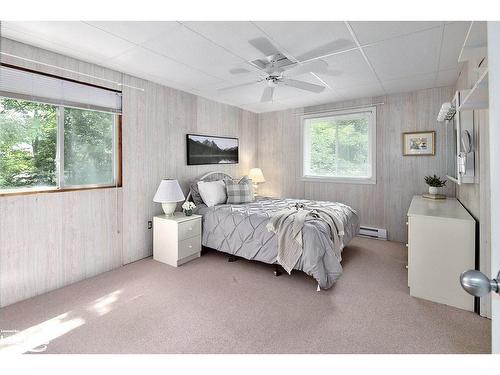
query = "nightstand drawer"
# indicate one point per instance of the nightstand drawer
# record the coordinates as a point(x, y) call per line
point(189, 247)
point(190, 228)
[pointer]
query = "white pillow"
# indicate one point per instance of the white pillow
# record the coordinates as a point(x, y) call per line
point(213, 192)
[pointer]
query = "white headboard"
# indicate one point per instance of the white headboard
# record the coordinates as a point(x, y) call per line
point(210, 176)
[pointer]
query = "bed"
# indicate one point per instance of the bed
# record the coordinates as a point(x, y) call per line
point(240, 230)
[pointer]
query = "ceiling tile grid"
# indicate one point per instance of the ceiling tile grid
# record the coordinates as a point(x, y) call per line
point(360, 59)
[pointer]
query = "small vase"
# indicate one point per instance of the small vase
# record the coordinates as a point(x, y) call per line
point(433, 190)
point(188, 212)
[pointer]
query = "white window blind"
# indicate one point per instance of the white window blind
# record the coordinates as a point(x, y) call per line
point(25, 85)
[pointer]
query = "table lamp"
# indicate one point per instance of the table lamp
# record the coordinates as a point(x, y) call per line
point(257, 178)
point(168, 194)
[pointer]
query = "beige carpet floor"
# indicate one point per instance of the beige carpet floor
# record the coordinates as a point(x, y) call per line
point(212, 306)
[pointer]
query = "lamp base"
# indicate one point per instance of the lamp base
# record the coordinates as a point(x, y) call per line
point(255, 189)
point(169, 208)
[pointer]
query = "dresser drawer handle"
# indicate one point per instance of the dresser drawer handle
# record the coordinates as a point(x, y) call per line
point(406, 223)
point(190, 246)
point(406, 245)
point(190, 228)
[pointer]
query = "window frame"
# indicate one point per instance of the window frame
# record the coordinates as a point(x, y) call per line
point(59, 159)
point(372, 149)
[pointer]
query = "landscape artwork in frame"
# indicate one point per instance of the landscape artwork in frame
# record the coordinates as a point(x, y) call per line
point(419, 143)
point(205, 149)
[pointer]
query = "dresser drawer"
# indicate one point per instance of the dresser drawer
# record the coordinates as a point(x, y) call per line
point(189, 247)
point(190, 228)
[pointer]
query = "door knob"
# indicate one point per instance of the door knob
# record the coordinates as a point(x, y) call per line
point(478, 284)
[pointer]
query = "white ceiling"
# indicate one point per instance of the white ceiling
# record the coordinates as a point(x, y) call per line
point(364, 58)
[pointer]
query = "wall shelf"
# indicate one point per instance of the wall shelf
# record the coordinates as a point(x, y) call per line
point(477, 96)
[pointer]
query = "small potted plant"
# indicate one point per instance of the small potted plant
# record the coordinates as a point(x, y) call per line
point(434, 183)
point(188, 208)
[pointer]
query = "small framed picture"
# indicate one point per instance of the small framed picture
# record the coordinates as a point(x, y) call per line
point(419, 143)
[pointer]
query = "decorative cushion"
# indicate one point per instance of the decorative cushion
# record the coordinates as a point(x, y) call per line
point(239, 192)
point(195, 193)
point(213, 192)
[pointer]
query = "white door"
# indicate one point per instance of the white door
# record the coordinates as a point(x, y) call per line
point(475, 282)
point(494, 115)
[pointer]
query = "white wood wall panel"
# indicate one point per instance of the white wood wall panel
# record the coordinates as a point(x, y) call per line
point(399, 178)
point(155, 124)
point(54, 239)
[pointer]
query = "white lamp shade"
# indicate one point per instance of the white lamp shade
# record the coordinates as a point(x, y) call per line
point(168, 191)
point(256, 175)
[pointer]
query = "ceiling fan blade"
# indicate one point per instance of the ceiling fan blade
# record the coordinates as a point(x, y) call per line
point(303, 85)
point(224, 89)
point(316, 66)
point(327, 49)
point(267, 95)
point(264, 46)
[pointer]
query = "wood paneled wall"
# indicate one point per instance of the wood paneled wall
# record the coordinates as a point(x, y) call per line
point(384, 204)
point(53, 239)
point(155, 123)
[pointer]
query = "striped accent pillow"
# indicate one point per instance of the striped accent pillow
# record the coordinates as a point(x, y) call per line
point(239, 191)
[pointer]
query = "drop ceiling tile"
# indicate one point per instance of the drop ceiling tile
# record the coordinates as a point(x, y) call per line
point(348, 69)
point(233, 35)
point(375, 31)
point(447, 77)
point(135, 31)
point(406, 84)
point(478, 34)
point(303, 101)
point(73, 38)
point(34, 40)
point(265, 107)
point(362, 91)
point(143, 62)
point(410, 55)
point(453, 39)
point(189, 48)
point(308, 39)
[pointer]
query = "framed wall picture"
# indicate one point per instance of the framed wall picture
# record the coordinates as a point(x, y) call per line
point(419, 143)
point(206, 149)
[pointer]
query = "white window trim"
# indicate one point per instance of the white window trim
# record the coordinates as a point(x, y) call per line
point(372, 148)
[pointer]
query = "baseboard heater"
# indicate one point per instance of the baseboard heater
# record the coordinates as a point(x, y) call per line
point(369, 232)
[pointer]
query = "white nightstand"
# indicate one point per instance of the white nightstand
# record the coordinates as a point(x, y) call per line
point(176, 239)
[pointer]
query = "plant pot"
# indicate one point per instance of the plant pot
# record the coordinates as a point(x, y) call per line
point(433, 190)
point(188, 212)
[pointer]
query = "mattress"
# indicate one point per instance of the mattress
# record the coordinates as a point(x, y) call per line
point(241, 230)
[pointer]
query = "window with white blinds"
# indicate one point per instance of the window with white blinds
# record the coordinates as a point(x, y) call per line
point(57, 134)
point(27, 85)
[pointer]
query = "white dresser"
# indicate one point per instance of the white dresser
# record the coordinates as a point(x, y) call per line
point(441, 245)
point(177, 238)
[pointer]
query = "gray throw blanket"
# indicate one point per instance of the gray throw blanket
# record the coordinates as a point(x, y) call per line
point(289, 222)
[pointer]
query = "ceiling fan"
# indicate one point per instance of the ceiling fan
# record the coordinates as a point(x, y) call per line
point(277, 69)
